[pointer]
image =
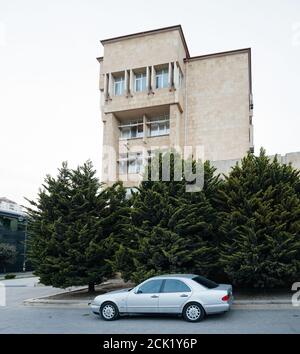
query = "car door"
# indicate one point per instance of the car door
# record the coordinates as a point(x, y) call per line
point(144, 299)
point(173, 296)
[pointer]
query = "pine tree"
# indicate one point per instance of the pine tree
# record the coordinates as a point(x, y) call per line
point(8, 255)
point(170, 230)
point(260, 223)
point(72, 226)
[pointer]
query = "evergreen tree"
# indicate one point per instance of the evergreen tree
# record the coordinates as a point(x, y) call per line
point(260, 223)
point(170, 230)
point(72, 226)
point(8, 255)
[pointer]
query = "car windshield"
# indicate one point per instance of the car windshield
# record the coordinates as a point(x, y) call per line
point(205, 282)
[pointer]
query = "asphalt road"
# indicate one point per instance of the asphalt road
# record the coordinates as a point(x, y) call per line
point(17, 318)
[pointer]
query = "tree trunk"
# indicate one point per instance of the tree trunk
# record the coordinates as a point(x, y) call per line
point(91, 287)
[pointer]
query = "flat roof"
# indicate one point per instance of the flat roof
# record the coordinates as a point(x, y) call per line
point(219, 54)
point(145, 33)
point(12, 214)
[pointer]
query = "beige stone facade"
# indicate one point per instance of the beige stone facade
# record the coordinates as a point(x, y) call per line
point(154, 95)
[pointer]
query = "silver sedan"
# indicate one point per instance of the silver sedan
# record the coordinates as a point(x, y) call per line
point(189, 295)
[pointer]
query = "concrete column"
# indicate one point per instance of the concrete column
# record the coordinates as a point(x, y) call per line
point(105, 87)
point(170, 76)
point(148, 79)
point(131, 82)
point(110, 86)
point(110, 149)
point(126, 83)
point(176, 76)
point(152, 78)
point(175, 126)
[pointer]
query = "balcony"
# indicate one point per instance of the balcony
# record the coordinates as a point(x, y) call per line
point(140, 88)
point(139, 100)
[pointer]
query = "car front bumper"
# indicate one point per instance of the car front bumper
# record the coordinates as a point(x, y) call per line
point(95, 308)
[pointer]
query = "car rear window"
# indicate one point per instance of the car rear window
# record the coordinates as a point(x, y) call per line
point(205, 282)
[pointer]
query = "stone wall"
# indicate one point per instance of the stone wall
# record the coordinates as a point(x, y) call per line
point(217, 109)
point(224, 166)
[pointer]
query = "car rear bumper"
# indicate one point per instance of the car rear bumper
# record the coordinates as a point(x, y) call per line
point(218, 308)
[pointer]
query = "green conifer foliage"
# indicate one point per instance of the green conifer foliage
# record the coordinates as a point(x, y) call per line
point(259, 207)
point(72, 228)
point(170, 230)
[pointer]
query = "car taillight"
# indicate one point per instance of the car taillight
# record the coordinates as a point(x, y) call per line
point(225, 298)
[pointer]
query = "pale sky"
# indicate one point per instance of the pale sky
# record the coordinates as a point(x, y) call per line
point(49, 98)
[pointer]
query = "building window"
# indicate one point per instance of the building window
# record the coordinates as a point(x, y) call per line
point(162, 78)
point(140, 82)
point(159, 125)
point(131, 162)
point(119, 83)
point(132, 129)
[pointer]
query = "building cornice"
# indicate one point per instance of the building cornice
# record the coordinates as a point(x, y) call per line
point(218, 54)
point(146, 33)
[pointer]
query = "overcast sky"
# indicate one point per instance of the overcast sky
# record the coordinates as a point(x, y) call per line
point(49, 98)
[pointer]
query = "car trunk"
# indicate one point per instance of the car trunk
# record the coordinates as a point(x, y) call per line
point(226, 287)
point(226, 292)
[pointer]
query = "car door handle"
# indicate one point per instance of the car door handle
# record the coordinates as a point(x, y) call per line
point(183, 295)
point(154, 296)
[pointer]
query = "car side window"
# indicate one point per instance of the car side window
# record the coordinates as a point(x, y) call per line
point(175, 286)
point(152, 286)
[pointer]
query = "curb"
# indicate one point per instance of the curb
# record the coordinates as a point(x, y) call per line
point(263, 302)
point(45, 301)
point(58, 303)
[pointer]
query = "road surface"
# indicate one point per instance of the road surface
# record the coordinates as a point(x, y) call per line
point(17, 318)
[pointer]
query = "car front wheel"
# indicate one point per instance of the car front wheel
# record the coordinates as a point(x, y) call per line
point(193, 312)
point(109, 311)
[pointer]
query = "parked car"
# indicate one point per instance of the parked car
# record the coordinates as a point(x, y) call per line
point(189, 295)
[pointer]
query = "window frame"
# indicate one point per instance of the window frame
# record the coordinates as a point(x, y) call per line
point(175, 292)
point(119, 80)
point(160, 75)
point(148, 281)
point(137, 124)
point(140, 77)
point(205, 282)
point(159, 121)
point(126, 161)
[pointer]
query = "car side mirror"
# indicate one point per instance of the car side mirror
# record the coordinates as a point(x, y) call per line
point(139, 291)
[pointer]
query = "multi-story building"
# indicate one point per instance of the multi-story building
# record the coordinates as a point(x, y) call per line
point(155, 95)
point(13, 232)
point(10, 206)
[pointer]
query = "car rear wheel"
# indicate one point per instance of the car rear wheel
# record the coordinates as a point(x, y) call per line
point(109, 311)
point(193, 312)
